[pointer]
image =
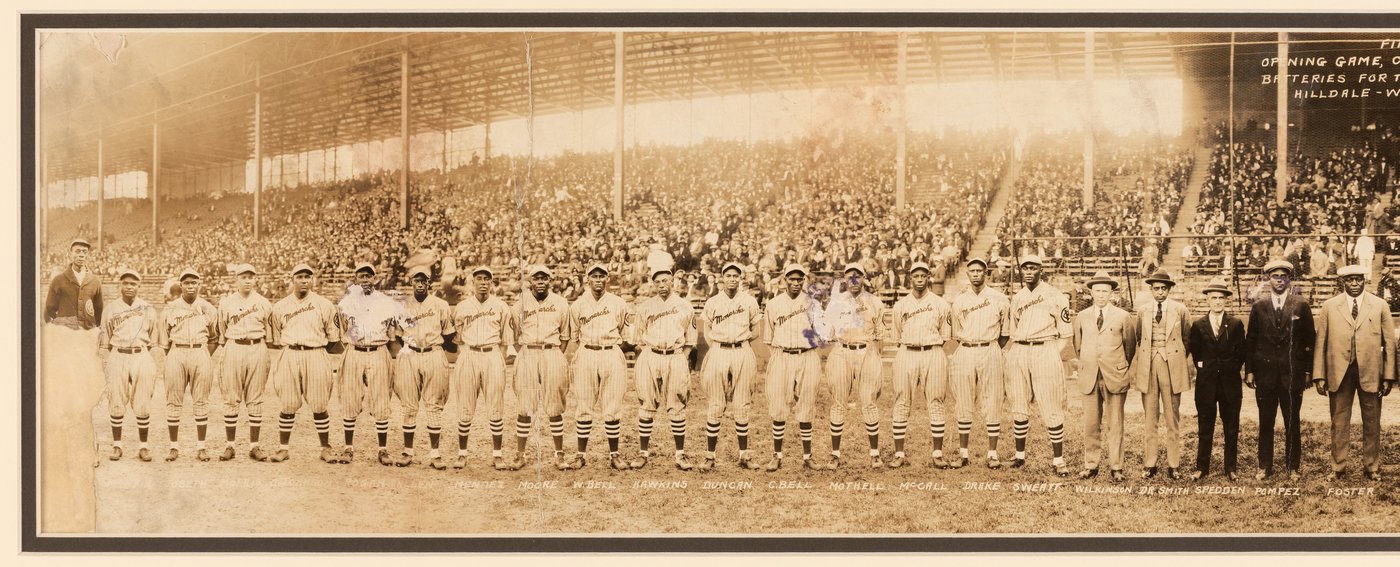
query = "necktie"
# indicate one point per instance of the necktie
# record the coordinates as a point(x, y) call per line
point(1100, 319)
point(1159, 312)
point(1354, 309)
point(1214, 326)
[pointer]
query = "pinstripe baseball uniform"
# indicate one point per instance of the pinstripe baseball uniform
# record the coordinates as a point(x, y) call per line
point(485, 330)
point(728, 372)
point(301, 371)
point(185, 331)
point(597, 325)
point(794, 365)
point(243, 378)
point(976, 370)
point(1039, 319)
point(541, 373)
point(420, 374)
point(920, 327)
point(855, 323)
point(663, 329)
point(131, 372)
point(365, 379)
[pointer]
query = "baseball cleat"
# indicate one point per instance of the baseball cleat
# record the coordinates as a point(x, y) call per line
point(404, 459)
point(959, 462)
point(683, 464)
point(940, 463)
point(638, 463)
point(384, 458)
point(498, 463)
point(116, 453)
point(518, 463)
point(617, 462)
point(1062, 470)
point(876, 463)
point(346, 456)
point(708, 464)
point(993, 463)
point(461, 462)
point(202, 455)
point(747, 464)
point(834, 464)
point(560, 463)
point(328, 456)
point(227, 455)
point(774, 465)
point(437, 464)
point(279, 456)
point(144, 454)
point(173, 455)
point(807, 464)
point(257, 454)
point(897, 462)
point(1017, 463)
point(579, 462)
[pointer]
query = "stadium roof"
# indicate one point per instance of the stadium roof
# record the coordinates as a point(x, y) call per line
point(321, 89)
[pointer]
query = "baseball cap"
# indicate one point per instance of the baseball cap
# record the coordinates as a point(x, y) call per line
point(124, 272)
point(419, 270)
point(975, 260)
point(80, 242)
point(187, 273)
point(244, 269)
point(658, 271)
point(484, 269)
point(854, 266)
point(794, 268)
point(539, 269)
point(303, 268)
point(734, 265)
point(597, 267)
point(364, 267)
point(1031, 259)
point(920, 265)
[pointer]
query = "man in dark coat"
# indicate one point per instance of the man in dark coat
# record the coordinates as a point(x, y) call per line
point(1278, 365)
point(1217, 346)
point(71, 289)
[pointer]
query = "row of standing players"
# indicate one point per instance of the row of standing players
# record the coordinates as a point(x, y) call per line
point(421, 350)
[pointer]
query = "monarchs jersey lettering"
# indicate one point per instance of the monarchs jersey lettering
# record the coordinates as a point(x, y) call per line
point(543, 322)
point(481, 324)
point(187, 323)
point(127, 326)
point(666, 324)
point(427, 322)
point(309, 321)
point(370, 319)
point(244, 317)
point(981, 317)
point(921, 321)
point(1040, 314)
point(789, 325)
point(730, 320)
point(598, 321)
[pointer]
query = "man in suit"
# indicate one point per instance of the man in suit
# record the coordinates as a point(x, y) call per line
point(1355, 350)
point(1105, 338)
point(1161, 372)
point(1278, 364)
point(1217, 346)
point(72, 289)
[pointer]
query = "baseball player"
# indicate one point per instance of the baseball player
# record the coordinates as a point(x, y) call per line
point(541, 378)
point(665, 330)
point(188, 331)
point(420, 374)
point(920, 327)
point(858, 327)
point(125, 330)
point(794, 365)
point(730, 322)
point(305, 334)
point(243, 326)
point(981, 324)
point(596, 321)
point(1040, 332)
point(487, 334)
point(367, 318)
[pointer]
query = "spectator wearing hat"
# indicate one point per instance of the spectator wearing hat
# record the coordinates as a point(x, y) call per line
point(1278, 364)
point(1217, 343)
point(1161, 372)
point(304, 335)
point(664, 332)
point(188, 332)
point(1105, 339)
point(1040, 331)
point(75, 294)
point(420, 371)
point(126, 334)
point(541, 376)
point(244, 322)
point(486, 331)
point(1354, 357)
point(981, 325)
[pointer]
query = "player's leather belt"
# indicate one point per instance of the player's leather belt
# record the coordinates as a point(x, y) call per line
point(854, 346)
point(920, 347)
point(247, 341)
point(132, 350)
point(795, 350)
point(1031, 343)
point(537, 347)
point(664, 351)
point(371, 348)
point(598, 347)
point(428, 349)
point(731, 345)
point(303, 347)
point(977, 344)
point(487, 348)
point(190, 345)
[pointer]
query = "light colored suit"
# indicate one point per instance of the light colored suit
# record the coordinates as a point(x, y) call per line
point(1162, 376)
point(1104, 353)
point(1351, 354)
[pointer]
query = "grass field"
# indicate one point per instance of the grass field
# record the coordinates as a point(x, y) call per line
point(305, 496)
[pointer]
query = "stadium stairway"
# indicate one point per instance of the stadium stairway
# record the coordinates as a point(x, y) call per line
point(1172, 262)
point(982, 242)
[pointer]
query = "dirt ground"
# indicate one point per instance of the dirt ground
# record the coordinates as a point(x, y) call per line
point(305, 496)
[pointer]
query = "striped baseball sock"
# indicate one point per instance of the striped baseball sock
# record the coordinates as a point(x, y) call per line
point(1057, 440)
point(254, 428)
point(116, 421)
point(804, 430)
point(464, 429)
point(678, 433)
point(556, 432)
point(231, 428)
point(323, 427)
point(434, 435)
point(964, 433)
point(347, 424)
point(741, 431)
point(409, 431)
point(644, 434)
point(1020, 429)
point(872, 432)
point(938, 430)
point(201, 426)
point(498, 430)
point(381, 433)
point(143, 427)
point(899, 427)
point(613, 429)
point(711, 435)
point(522, 432)
point(993, 434)
point(779, 429)
point(172, 426)
point(582, 430)
point(836, 430)
point(285, 421)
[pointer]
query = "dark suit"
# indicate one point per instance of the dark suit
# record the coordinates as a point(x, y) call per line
point(1278, 351)
point(1218, 360)
point(66, 297)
